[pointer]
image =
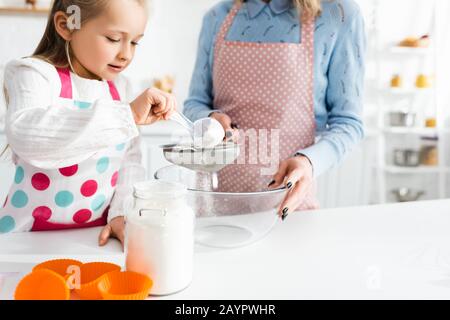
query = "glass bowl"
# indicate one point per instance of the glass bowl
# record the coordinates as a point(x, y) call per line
point(226, 219)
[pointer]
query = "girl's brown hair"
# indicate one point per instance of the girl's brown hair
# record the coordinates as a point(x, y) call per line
point(52, 47)
point(308, 8)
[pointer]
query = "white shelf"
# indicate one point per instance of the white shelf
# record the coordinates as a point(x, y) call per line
point(410, 50)
point(409, 91)
point(415, 130)
point(24, 10)
point(414, 170)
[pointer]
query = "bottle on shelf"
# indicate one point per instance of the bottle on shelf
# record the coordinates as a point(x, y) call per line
point(397, 81)
point(430, 122)
point(416, 42)
point(423, 81)
point(429, 155)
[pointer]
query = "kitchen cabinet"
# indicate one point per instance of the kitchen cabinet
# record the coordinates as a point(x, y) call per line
point(152, 138)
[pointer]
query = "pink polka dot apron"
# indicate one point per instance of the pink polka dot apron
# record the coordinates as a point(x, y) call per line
point(74, 197)
point(267, 89)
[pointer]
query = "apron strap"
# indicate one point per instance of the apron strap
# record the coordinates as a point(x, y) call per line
point(113, 91)
point(66, 85)
point(307, 27)
point(228, 22)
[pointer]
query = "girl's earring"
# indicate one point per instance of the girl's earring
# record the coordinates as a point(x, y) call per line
point(68, 56)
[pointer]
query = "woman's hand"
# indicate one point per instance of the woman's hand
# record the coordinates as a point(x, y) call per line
point(231, 130)
point(153, 105)
point(297, 175)
point(114, 229)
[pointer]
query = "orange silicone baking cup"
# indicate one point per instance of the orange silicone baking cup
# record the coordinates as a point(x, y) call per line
point(91, 274)
point(125, 286)
point(42, 285)
point(60, 266)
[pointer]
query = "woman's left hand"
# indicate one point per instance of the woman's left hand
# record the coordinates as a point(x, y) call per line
point(297, 175)
point(114, 229)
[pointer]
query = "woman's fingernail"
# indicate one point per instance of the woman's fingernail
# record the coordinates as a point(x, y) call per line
point(289, 185)
point(272, 183)
point(285, 213)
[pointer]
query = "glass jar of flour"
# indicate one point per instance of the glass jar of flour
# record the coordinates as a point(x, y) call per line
point(159, 235)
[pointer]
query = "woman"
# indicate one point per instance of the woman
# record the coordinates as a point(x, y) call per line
point(290, 71)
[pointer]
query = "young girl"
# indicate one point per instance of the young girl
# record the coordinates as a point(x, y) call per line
point(73, 136)
point(290, 67)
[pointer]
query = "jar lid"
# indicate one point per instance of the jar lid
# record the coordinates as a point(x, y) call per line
point(158, 188)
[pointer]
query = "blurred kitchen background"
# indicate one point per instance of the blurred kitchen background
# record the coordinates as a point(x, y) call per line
point(405, 155)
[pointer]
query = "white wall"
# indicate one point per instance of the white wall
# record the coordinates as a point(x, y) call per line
point(170, 44)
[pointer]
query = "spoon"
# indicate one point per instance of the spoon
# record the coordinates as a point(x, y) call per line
point(205, 133)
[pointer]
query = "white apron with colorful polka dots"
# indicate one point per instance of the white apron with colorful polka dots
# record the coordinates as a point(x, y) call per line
point(74, 197)
point(267, 89)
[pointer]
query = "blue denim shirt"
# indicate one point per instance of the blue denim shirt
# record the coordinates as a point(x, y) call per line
point(339, 65)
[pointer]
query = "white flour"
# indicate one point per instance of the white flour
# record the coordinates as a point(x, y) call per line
point(160, 243)
point(208, 133)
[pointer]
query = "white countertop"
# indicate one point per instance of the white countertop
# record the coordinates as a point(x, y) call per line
point(397, 251)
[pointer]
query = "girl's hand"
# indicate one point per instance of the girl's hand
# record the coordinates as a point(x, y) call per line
point(114, 229)
point(231, 130)
point(297, 175)
point(153, 105)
